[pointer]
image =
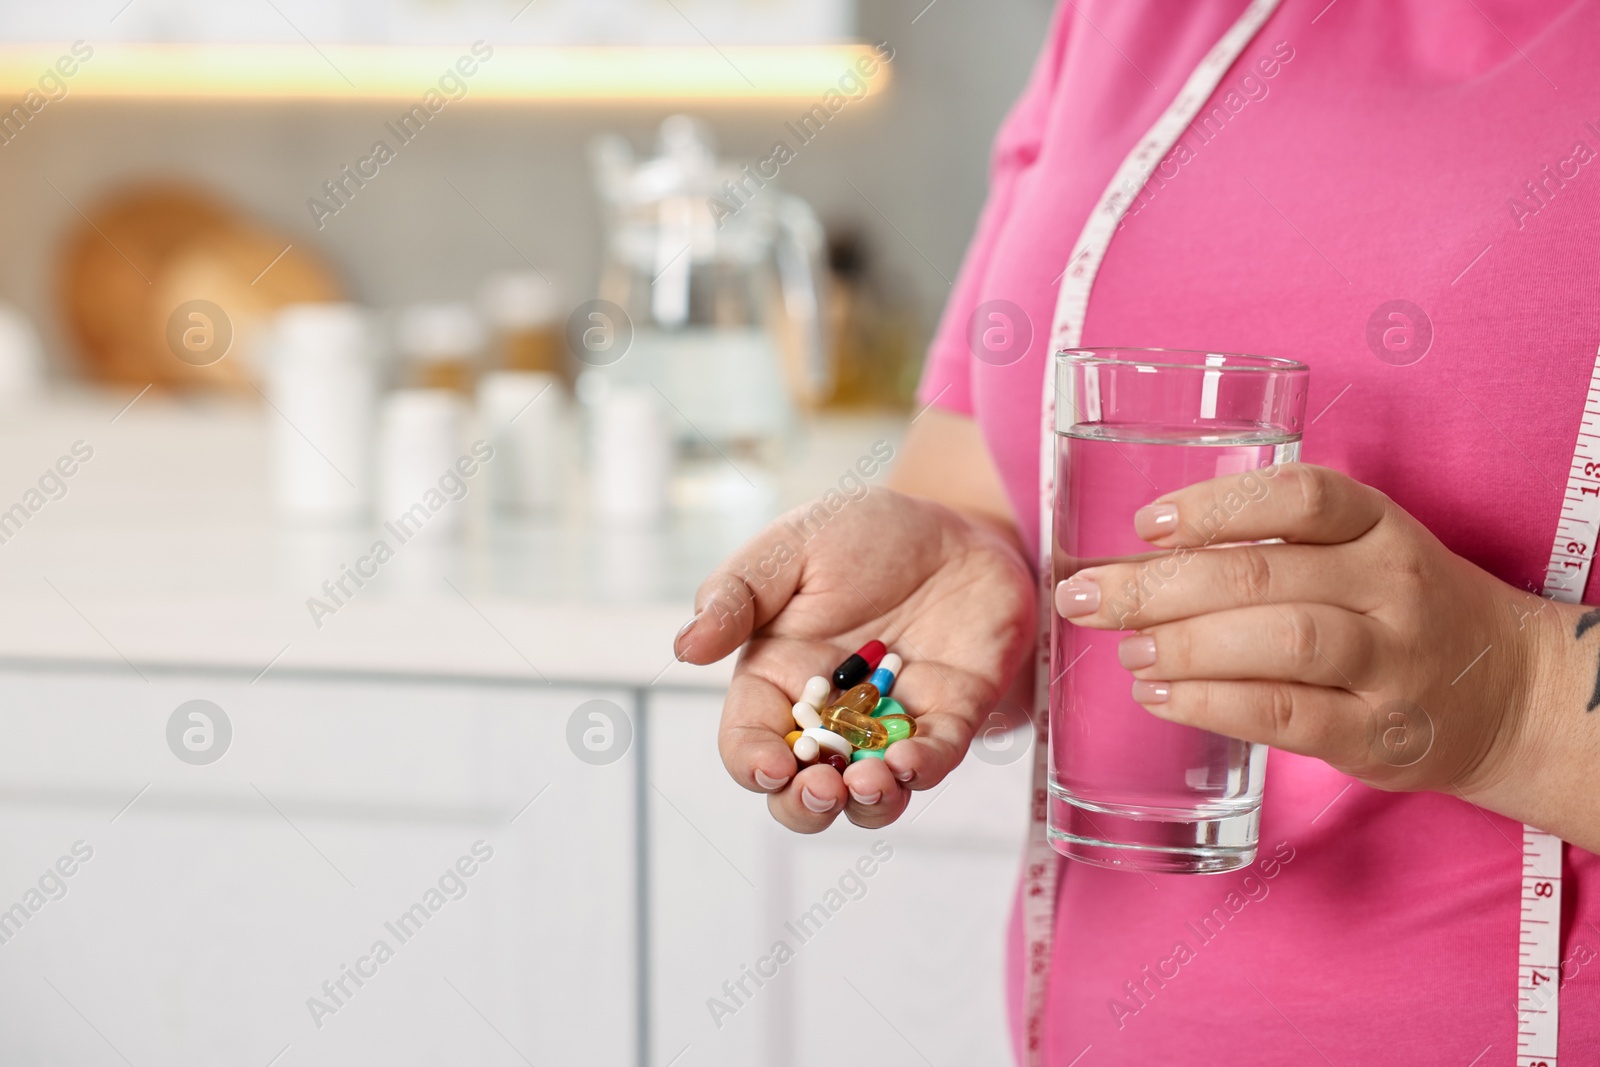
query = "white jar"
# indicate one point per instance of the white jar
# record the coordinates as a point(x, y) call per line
point(320, 385)
point(630, 454)
point(524, 416)
point(422, 489)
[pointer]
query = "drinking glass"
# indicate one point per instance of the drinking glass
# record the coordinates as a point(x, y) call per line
point(1129, 790)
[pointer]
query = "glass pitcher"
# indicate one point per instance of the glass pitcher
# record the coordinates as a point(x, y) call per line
point(721, 279)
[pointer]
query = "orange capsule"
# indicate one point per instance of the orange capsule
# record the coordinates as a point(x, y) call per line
point(791, 737)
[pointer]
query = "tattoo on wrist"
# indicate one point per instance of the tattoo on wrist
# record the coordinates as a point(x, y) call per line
point(1587, 622)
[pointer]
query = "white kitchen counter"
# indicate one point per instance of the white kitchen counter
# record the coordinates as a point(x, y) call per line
point(165, 554)
point(632, 878)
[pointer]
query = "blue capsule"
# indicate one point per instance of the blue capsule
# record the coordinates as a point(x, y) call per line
point(883, 678)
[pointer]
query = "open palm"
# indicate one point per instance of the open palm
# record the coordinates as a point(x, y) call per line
point(952, 595)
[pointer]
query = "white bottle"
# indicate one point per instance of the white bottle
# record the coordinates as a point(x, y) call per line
point(422, 488)
point(524, 416)
point(522, 401)
point(630, 454)
point(320, 385)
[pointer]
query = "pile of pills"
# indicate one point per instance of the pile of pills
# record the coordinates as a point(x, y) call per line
point(858, 724)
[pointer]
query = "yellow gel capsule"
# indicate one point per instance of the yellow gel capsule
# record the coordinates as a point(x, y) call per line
point(898, 727)
point(792, 736)
point(858, 728)
point(862, 698)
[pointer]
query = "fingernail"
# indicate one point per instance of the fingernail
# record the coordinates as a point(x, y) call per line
point(1137, 651)
point(867, 799)
point(904, 777)
point(1151, 692)
point(685, 628)
point(1155, 520)
point(1077, 596)
point(773, 784)
point(815, 803)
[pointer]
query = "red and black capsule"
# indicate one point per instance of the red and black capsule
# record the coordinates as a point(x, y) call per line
point(859, 664)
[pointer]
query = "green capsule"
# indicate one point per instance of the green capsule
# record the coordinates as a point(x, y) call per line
point(899, 727)
point(866, 753)
point(887, 706)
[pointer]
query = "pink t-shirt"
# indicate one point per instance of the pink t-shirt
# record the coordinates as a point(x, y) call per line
point(1360, 152)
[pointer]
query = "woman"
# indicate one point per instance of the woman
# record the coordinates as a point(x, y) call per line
point(1400, 193)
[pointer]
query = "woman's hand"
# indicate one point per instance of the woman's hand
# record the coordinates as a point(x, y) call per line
point(953, 595)
point(1363, 641)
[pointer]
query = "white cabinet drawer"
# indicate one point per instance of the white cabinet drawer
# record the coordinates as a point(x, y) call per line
point(214, 907)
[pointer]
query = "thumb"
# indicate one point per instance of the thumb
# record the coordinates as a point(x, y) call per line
point(745, 593)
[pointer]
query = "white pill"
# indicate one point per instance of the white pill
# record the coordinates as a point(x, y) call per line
point(806, 749)
point(816, 691)
point(891, 663)
point(827, 739)
point(806, 716)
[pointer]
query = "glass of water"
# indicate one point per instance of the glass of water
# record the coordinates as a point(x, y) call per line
point(1129, 790)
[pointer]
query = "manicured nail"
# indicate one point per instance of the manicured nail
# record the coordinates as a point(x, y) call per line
point(685, 628)
point(771, 784)
point(904, 777)
point(867, 799)
point(815, 803)
point(1077, 596)
point(1155, 520)
point(1151, 692)
point(1137, 651)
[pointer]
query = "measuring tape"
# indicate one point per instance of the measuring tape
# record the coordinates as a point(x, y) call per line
point(1539, 940)
point(1539, 950)
point(1539, 946)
